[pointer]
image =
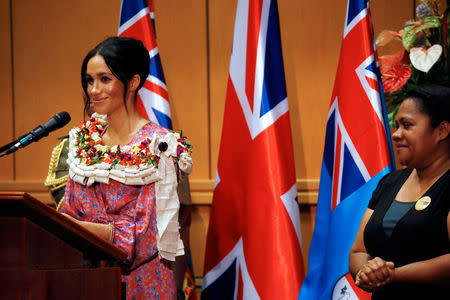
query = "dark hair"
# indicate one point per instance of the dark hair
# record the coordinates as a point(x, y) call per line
point(432, 100)
point(125, 57)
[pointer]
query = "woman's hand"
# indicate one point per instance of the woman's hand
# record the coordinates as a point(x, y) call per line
point(71, 218)
point(375, 274)
point(103, 231)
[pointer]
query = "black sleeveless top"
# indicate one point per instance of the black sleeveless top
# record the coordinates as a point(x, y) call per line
point(419, 234)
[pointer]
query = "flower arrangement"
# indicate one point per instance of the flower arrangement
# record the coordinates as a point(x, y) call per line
point(91, 150)
point(424, 58)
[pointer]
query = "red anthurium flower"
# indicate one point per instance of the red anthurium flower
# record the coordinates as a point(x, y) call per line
point(394, 70)
point(388, 61)
point(395, 78)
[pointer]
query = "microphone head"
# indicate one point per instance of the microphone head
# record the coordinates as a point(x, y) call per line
point(63, 118)
point(57, 121)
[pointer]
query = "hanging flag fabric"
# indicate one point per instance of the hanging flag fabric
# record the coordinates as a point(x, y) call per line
point(137, 21)
point(357, 153)
point(253, 246)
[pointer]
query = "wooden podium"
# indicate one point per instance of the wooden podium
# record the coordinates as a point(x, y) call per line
point(44, 255)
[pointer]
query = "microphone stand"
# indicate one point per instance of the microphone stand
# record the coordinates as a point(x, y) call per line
point(56, 122)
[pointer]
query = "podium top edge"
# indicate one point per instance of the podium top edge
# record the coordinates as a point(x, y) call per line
point(48, 217)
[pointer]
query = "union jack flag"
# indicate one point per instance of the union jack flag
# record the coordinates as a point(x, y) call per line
point(137, 21)
point(253, 246)
point(357, 153)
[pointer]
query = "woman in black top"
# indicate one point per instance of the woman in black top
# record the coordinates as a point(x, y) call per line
point(402, 249)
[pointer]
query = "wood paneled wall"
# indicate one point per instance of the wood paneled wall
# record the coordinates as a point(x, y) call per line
point(6, 89)
point(44, 42)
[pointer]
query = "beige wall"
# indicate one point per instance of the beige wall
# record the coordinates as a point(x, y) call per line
point(43, 43)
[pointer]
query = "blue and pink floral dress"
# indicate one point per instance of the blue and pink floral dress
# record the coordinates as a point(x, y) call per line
point(131, 209)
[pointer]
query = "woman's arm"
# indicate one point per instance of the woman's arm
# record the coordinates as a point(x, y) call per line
point(358, 253)
point(71, 208)
point(435, 271)
point(103, 231)
point(369, 273)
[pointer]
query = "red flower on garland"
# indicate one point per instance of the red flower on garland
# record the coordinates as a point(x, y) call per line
point(91, 150)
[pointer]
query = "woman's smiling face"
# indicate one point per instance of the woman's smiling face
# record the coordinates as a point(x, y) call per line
point(105, 90)
point(415, 137)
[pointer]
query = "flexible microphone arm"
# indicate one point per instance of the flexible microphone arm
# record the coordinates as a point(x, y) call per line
point(7, 146)
point(57, 121)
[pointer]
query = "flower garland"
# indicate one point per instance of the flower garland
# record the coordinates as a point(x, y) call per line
point(145, 162)
point(90, 150)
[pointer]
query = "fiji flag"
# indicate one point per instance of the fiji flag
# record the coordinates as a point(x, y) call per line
point(253, 248)
point(357, 153)
point(137, 21)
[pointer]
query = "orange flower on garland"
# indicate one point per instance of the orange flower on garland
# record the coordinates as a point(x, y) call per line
point(91, 151)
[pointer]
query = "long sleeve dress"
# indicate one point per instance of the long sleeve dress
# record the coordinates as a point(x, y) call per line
point(132, 212)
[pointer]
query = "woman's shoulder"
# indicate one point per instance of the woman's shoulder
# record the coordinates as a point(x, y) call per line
point(389, 184)
point(396, 175)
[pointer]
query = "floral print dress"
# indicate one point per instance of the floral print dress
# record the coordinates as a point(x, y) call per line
point(131, 210)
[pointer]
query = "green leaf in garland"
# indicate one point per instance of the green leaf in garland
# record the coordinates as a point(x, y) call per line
point(115, 162)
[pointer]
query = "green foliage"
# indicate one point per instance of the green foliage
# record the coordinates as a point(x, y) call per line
point(412, 30)
point(423, 33)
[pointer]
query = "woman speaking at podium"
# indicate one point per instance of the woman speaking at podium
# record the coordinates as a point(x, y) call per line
point(123, 170)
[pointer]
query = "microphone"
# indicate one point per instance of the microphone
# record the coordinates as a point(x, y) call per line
point(57, 121)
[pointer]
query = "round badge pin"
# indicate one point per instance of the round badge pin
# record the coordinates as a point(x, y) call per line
point(423, 203)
